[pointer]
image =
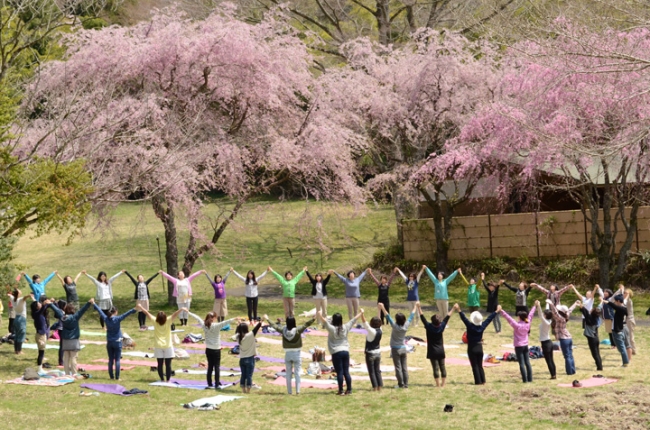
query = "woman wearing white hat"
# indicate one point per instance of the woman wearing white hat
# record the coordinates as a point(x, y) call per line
point(475, 328)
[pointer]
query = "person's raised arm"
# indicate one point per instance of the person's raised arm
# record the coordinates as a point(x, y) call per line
point(420, 274)
point(169, 277)
point(540, 311)
point(135, 282)
point(275, 326)
point(197, 318)
point(341, 277)
point(225, 277)
point(553, 308)
point(208, 276)
point(573, 306)
point(361, 276)
point(564, 290)
point(177, 313)
point(539, 288)
point(91, 277)
point(146, 312)
point(508, 318)
point(256, 328)
point(84, 308)
point(148, 281)
point(277, 276)
point(28, 279)
point(259, 278)
point(237, 274)
point(508, 286)
point(351, 323)
point(463, 278)
point(195, 274)
point(312, 280)
point(401, 274)
point(101, 313)
point(453, 275)
point(327, 279)
point(597, 291)
point(60, 278)
point(76, 278)
point(58, 312)
point(121, 318)
point(299, 275)
point(577, 293)
point(531, 314)
point(430, 274)
point(49, 278)
point(115, 276)
point(372, 276)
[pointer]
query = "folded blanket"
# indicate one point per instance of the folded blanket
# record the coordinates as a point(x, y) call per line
point(44, 382)
point(216, 400)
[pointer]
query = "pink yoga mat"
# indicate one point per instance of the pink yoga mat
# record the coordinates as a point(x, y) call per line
point(99, 367)
point(591, 382)
point(131, 362)
point(317, 333)
point(465, 362)
point(304, 383)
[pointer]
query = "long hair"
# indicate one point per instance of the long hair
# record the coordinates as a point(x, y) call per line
point(99, 277)
point(161, 318)
point(209, 318)
point(596, 312)
point(15, 293)
point(291, 323)
point(217, 276)
point(34, 308)
point(69, 309)
point(337, 321)
point(241, 331)
point(65, 280)
point(251, 281)
point(523, 316)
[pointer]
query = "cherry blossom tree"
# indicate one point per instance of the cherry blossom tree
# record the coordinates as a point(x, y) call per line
point(572, 114)
point(172, 108)
point(413, 100)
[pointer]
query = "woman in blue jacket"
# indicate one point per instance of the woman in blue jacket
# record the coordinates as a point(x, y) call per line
point(70, 334)
point(113, 337)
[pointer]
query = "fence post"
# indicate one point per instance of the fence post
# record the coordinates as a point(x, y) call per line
point(490, 232)
point(584, 220)
point(537, 232)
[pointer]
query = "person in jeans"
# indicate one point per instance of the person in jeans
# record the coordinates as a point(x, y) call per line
point(113, 337)
point(561, 316)
point(319, 291)
point(493, 300)
point(436, 345)
point(397, 345)
point(352, 290)
point(521, 328)
point(412, 285)
point(292, 344)
point(339, 347)
point(247, 353)
point(383, 285)
point(591, 321)
point(373, 352)
point(475, 328)
point(618, 326)
point(546, 318)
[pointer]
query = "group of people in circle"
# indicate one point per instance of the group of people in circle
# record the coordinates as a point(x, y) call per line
point(614, 309)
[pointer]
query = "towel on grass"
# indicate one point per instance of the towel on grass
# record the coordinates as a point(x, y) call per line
point(44, 382)
point(131, 362)
point(92, 333)
point(465, 362)
point(98, 367)
point(307, 383)
point(189, 384)
point(215, 400)
point(47, 346)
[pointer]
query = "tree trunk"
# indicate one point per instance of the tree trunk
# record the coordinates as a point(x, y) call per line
point(630, 228)
point(404, 209)
point(382, 14)
point(165, 213)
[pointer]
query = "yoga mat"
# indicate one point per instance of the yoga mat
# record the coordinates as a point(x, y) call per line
point(463, 362)
point(363, 369)
point(151, 328)
point(194, 351)
point(204, 346)
point(138, 354)
point(270, 359)
point(170, 384)
point(224, 373)
point(216, 400)
point(591, 382)
point(323, 384)
point(508, 345)
point(47, 346)
point(384, 377)
point(359, 331)
point(92, 342)
point(131, 362)
point(44, 382)
point(382, 349)
point(318, 333)
point(92, 333)
point(106, 388)
point(263, 339)
point(99, 367)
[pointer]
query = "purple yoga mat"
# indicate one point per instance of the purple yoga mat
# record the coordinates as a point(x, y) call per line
point(359, 331)
point(234, 369)
point(270, 359)
point(106, 388)
point(229, 344)
point(195, 351)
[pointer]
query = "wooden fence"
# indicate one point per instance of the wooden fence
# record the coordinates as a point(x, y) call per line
point(537, 234)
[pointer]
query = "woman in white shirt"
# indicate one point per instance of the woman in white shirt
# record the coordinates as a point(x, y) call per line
point(546, 317)
point(104, 295)
point(19, 302)
point(251, 293)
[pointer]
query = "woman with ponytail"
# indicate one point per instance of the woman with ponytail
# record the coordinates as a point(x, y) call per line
point(521, 328)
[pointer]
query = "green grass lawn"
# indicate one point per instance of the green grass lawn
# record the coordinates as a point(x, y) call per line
point(261, 237)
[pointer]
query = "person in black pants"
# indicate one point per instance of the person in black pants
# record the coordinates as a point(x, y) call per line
point(521, 295)
point(493, 300)
point(592, 321)
point(475, 328)
point(436, 344)
point(382, 286)
point(546, 318)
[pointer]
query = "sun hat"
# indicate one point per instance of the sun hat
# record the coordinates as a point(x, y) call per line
point(476, 318)
point(563, 308)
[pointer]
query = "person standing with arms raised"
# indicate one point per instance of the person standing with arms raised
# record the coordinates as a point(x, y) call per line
point(352, 290)
point(288, 284)
point(441, 284)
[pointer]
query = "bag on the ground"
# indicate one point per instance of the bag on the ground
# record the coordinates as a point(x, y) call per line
point(31, 374)
point(313, 368)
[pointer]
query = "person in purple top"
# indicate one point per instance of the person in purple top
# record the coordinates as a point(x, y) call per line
point(521, 328)
point(220, 307)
